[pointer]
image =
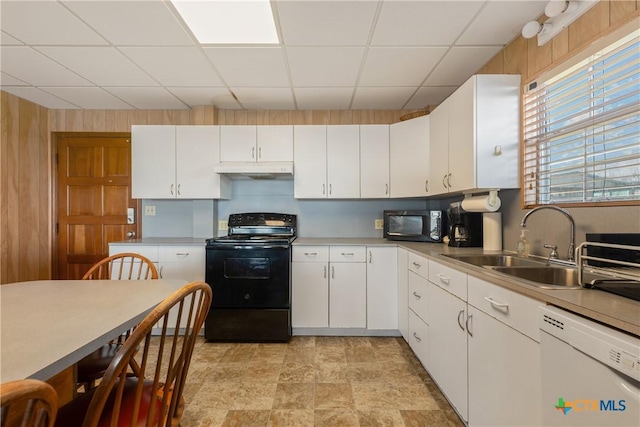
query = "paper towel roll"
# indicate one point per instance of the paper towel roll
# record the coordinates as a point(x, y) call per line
point(492, 231)
point(481, 203)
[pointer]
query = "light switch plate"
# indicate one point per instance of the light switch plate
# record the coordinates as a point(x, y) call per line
point(223, 225)
point(150, 210)
point(379, 224)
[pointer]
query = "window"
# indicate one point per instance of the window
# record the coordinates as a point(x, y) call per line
point(582, 131)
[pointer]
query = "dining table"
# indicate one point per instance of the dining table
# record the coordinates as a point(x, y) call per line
point(46, 326)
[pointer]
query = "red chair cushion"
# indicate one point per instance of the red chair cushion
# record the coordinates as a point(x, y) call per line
point(94, 365)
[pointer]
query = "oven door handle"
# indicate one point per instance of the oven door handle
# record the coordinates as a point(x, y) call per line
point(248, 247)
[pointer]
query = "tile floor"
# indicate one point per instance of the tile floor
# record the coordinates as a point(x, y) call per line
point(313, 381)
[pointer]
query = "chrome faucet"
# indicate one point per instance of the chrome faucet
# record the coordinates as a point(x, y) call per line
point(572, 231)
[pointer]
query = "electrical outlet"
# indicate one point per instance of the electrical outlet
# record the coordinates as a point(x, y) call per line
point(379, 224)
point(223, 225)
point(150, 210)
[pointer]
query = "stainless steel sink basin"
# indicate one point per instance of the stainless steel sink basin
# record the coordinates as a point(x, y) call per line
point(546, 277)
point(491, 260)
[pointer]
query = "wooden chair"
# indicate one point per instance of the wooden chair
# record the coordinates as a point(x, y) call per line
point(154, 397)
point(123, 266)
point(28, 403)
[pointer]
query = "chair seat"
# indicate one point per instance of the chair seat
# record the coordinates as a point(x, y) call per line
point(93, 366)
point(73, 413)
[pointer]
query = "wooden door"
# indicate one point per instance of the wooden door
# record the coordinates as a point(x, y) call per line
point(93, 192)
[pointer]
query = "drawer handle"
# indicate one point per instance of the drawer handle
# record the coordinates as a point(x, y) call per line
point(311, 253)
point(444, 279)
point(466, 323)
point(182, 253)
point(497, 305)
point(417, 338)
point(459, 322)
point(416, 265)
point(347, 253)
point(418, 296)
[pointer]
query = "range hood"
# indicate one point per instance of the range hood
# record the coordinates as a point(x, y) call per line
point(255, 170)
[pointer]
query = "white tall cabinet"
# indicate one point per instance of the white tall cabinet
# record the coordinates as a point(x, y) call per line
point(374, 161)
point(176, 162)
point(409, 158)
point(474, 136)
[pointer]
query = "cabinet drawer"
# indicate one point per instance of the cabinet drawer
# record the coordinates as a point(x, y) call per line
point(511, 308)
point(348, 254)
point(150, 252)
point(418, 295)
point(185, 253)
point(418, 265)
point(310, 254)
point(449, 279)
point(418, 337)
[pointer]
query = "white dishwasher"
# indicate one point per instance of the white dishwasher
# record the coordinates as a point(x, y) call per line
point(590, 372)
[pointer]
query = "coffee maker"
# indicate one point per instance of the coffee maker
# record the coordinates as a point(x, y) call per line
point(465, 228)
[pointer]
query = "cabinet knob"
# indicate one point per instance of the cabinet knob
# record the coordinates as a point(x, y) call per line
point(418, 296)
point(131, 234)
point(417, 338)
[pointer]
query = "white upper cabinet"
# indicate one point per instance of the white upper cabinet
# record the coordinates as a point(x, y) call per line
point(343, 161)
point(374, 161)
point(169, 162)
point(475, 136)
point(310, 162)
point(256, 143)
point(409, 158)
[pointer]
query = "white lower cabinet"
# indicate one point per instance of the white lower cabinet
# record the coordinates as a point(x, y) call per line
point(310, 287)
point(347, 287)
point(382, 288)
point(448, 346)
point(419, 338)
point(403, 293)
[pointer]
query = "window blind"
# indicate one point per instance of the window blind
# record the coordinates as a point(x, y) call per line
point(582, 131)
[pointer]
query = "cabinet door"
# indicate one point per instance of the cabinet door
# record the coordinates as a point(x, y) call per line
point(310, 295)
point(374, 161)
point(409, 158)
point(462, 147)
point(238, 144)
point(419, 338)
point(343, 161)
point(504, 366)
point(275, 143)
point(382, 288)
point(181, 262)
point(197, 151)
point(348, 295)
point(310, 162)
point(153, 162)
point(439, 149)
point(448, 346)
point(403, 294)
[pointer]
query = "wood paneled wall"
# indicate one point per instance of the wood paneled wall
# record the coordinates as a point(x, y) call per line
point(26, 145)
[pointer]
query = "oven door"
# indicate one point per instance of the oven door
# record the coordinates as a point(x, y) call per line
point(254, 276)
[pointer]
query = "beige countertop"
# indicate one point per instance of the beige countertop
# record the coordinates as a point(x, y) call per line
point(616, 311)
point(163, 241)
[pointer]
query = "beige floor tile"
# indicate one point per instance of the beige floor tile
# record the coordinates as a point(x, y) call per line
point(226, 372)
point(291, 418)
point(244, 418)
point(195, 416)
point(294, 396)
point(239, 354)
point(331, 341)
point(433, 418)
point(302, 342)
point(380, 418)
point(360, 354)
point(331, 373)
point(300, 354)
point(297, 373)
point(333, 396)
point(326, 354)
point(336, 418)
point(364, 372)
point(263, 372)
point(241, 395)
point(270, 353)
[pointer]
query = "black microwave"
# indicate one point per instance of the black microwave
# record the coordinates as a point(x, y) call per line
point(416, 225)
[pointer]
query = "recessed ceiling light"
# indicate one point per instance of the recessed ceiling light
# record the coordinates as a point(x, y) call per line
point(229, 22)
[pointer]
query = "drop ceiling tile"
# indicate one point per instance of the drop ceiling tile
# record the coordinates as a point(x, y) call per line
point(40, 97)
point(148, 98)
point(175, 66)
point(250, 66)
point(324, 66)
point(326, 98)
point(90, 98)
point(7, 40)
point(133, 23)
point(423, 23)
point(381, 97)
point(459, 64)
point(46, 22)
point(265, 98)
point(432, 95)
point(36, 69)
point(512, 15)
point(103, 66)
point(326, 23)
point(218, 96)
point(7, 80)
point(401, 66)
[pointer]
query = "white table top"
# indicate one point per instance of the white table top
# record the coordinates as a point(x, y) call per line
point(48, 325)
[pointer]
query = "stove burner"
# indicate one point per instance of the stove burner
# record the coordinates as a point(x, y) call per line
point(623, 288)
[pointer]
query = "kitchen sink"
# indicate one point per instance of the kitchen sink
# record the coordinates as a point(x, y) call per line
point(546, 276)
point(493, 260)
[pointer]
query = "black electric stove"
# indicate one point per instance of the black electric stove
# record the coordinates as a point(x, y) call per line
point(249, 273)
